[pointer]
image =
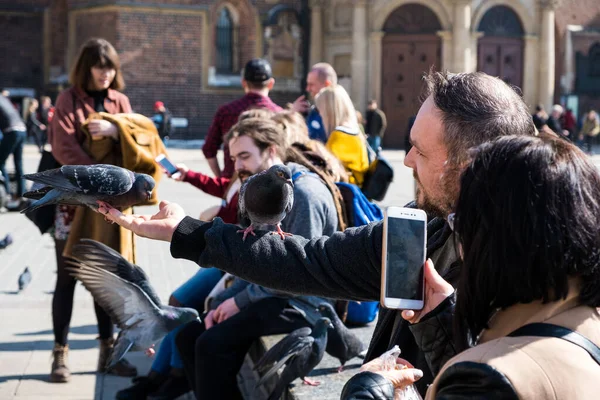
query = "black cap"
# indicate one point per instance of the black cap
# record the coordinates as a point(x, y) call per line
point(257, 70)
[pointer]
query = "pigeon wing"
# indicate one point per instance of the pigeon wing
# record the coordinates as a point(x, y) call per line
point(124, 301)
point(96, 254)
point(274, 354)
point(87, 179)
point(300, 346)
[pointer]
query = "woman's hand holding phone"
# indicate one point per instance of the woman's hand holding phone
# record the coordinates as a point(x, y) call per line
point(436, 291)
point(183, 170)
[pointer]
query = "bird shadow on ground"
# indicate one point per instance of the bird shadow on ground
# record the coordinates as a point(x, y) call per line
point(80, 330)
point(38, 377)
point(47, 345)
point(11, 292)
point(332, 370)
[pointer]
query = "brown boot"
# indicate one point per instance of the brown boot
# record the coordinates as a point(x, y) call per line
point(122, 368)
point(60, 372)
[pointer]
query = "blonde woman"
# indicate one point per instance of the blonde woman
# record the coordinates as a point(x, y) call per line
point(344, 138)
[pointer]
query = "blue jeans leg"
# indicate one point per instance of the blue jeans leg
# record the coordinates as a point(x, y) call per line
point(166, 353)
point(12, 143)
point(195, 290)
point(374, 142)
point(18, 159)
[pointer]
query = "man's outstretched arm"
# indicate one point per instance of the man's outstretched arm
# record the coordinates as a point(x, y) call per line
point(346, 265)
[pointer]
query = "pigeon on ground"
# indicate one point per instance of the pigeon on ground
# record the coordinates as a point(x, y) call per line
point(24, 279)
point(7, 241)
point(88, 184)
point(341, 342)
point(142, 321)
point(266, 198)
point(300, 351)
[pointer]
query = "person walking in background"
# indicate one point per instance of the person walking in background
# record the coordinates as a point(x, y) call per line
point(14, 135)
point(344, 138)
point(321, 75)
point(162, 120)
point(589, 130)
point(257, 82)
point(96, 79)
point(35, 128)
point(569, 123)
point(376, 125)
point(46, 110)
point(554, 124)
point(540, 117)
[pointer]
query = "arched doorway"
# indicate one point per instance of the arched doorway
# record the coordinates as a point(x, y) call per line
point(410, 48)
point(500, 50)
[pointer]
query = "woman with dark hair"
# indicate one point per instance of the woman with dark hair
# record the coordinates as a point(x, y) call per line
point(96, 79)
point(527, 222)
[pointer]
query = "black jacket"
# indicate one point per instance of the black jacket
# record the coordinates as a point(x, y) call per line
point(346, 265)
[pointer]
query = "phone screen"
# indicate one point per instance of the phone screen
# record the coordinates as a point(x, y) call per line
point(405, 255)
point(168, 165)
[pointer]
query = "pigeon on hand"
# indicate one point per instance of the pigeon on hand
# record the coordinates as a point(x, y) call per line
point(88, 184)
point(266, 198)
point(142, 320)
point(300, 351)
point(341, 342)
point(24, 279)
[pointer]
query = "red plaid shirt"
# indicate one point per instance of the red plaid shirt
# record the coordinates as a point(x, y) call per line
point(227, 115)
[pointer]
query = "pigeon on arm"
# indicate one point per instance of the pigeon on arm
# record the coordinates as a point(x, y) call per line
point(143, 320)
point(88, 184)
point(299, 352)
point(266, 198)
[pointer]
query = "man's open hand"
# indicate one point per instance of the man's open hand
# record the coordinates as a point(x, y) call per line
point(159, 226)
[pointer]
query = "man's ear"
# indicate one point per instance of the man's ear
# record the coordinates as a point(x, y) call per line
point(273, 151)
point(244, 85)
point(270, 83)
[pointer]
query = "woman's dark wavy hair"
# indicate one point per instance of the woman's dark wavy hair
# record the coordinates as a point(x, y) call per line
point(528, 219)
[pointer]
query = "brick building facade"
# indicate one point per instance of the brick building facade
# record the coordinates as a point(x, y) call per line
point(173, 50)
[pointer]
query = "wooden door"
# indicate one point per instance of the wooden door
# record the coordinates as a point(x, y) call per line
point(502, 57)
point(404, 61)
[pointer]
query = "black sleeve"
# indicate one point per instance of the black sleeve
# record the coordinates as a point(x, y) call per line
point(471, 380)
point(368, 386)
point(346, 265)
point(434, 335)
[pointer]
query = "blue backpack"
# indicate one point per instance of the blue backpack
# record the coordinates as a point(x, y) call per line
point(359, 211)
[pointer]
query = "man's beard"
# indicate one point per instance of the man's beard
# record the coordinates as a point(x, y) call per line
point(442, 206)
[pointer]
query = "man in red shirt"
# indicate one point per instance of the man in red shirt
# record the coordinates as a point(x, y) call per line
point(257, 81)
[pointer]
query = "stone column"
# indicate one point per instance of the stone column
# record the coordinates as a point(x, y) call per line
point(447, 50)
point(461, 36)
point(530, 79)
point(546, 60)
point(375, 55)
point(359, 55)
point(316, 32)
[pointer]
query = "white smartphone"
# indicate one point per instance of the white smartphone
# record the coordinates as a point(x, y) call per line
point(403, 257)
point(168, 165)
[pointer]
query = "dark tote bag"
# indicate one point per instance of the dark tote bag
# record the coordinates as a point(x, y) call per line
point(43, 217)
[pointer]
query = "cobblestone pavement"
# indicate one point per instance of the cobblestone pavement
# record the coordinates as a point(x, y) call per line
point(26, 338)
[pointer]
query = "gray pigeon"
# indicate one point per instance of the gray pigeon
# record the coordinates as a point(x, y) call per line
point(88, 184)
point(142, 321)
point(24, 279)
point(96, 254)
point(341, 342)
point(266, 198)
point(300, 351)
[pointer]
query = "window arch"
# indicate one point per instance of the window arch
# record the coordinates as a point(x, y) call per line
point(501, 21)
point(594, 60)
point(225, 42)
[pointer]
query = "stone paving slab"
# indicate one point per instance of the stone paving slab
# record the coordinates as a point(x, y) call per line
point(26, 338)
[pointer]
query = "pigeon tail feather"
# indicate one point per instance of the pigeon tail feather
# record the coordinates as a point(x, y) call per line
point(52, 197)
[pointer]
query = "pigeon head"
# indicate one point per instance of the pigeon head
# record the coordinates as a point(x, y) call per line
point(327, 311)
point(180, 316)
point(282, 172)
point(143, 185)
point(322, 325)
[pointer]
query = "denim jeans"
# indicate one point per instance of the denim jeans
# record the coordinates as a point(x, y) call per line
point(12, 143)
point(374, 142)
point(190, 294)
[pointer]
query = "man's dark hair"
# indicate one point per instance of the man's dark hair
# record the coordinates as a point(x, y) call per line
point(96, 53)
point(476, 108)
point(527, 219)
point(264, 132)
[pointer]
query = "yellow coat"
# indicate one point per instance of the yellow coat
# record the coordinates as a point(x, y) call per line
point(351, 149)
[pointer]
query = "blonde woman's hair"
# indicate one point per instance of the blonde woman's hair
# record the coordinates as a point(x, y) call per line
point(336, 108)
point(294, 126)
point(30, 108)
